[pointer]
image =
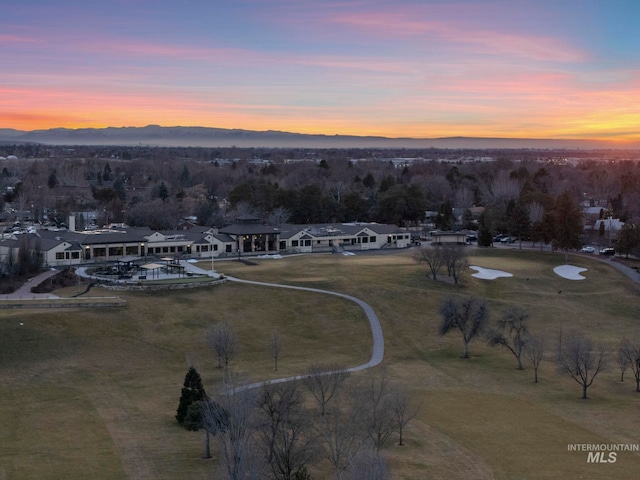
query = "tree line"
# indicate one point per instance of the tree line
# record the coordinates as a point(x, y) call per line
point(520, 191)
point(578, 356)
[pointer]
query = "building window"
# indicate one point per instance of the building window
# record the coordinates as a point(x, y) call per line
point(365, 239)
point(228, 249)
point(100, 252)
point(59, 255)
point(372, 239)
point(294, 243)
point(307, 243)
point(75, 255)
point(215, 247)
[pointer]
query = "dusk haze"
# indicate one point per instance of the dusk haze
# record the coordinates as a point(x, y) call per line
point(402, 68)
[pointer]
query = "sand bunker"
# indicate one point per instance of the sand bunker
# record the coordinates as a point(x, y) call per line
point(570, 272)
point(488, 273)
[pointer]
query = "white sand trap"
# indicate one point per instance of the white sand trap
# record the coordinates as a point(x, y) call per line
point(488, 273)
point(570, 272)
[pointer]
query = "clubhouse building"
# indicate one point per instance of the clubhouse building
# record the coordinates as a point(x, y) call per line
point(246, 237)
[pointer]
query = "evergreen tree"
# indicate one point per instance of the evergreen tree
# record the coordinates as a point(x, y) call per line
point(119, 189)
point(518, 217)
point(192, 391)
point(106, 173)
point(485, 236)
point(185, 176)
point(163, 192)
point(568, 223)
point(52, 181)
point(628, 239)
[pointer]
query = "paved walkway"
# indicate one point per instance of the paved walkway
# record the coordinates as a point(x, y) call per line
point(24, 292)
point(377, 352)
point(628, 271)
point(190, 267)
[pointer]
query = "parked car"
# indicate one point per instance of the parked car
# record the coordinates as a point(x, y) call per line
point(588, 250)
point(609, 252)
point(508, 240)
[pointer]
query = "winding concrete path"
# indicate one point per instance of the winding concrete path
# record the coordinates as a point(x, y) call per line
point(377, 352)
point(25, 293)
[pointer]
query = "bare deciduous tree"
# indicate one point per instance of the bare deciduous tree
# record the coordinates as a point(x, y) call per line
point(374, 400)
point(275, 347)
point(534, 350)
point(367, 464)
point(455, 258)
point(581, 360)
point(630, 349)
point(285, 430)
point(324, 382)
point(511, 332)
point(240, 458)
point(535, 210)
point(403, 411)
point(503, 189)
point(223, 340)
point(622, 360)
point(468, 315)
point(464, 198)
point(279, 215)
point(433, 257)
point(340, 435)
point(208, 416)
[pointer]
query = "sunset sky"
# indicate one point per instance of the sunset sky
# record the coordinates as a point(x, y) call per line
point(401, 68)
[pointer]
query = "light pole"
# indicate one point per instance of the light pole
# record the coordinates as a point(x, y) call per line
point(211, 239)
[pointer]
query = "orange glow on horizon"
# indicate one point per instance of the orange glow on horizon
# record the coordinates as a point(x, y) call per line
point(607, 122)
point(602, 131)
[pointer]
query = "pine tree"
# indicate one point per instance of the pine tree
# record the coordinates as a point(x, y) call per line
point(567, 220)
point(192, 391)
point(163, 192)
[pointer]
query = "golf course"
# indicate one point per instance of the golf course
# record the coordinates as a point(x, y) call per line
point(92, 393)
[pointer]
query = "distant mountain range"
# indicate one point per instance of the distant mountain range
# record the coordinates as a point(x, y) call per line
point(154, 135)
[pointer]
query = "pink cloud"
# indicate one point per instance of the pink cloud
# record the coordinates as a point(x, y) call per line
point(9, 38)
point(461, 35)
point(356, 63)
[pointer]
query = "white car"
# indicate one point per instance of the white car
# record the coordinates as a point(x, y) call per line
point(588, 250)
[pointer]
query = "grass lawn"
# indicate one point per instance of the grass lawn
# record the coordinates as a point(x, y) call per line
point(92, 393)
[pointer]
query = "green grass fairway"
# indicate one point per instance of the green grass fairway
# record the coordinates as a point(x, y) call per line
point(93, 393)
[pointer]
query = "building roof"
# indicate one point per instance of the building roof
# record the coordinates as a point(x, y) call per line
point(248, 229)
point(43, 244)
point(323, 230)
